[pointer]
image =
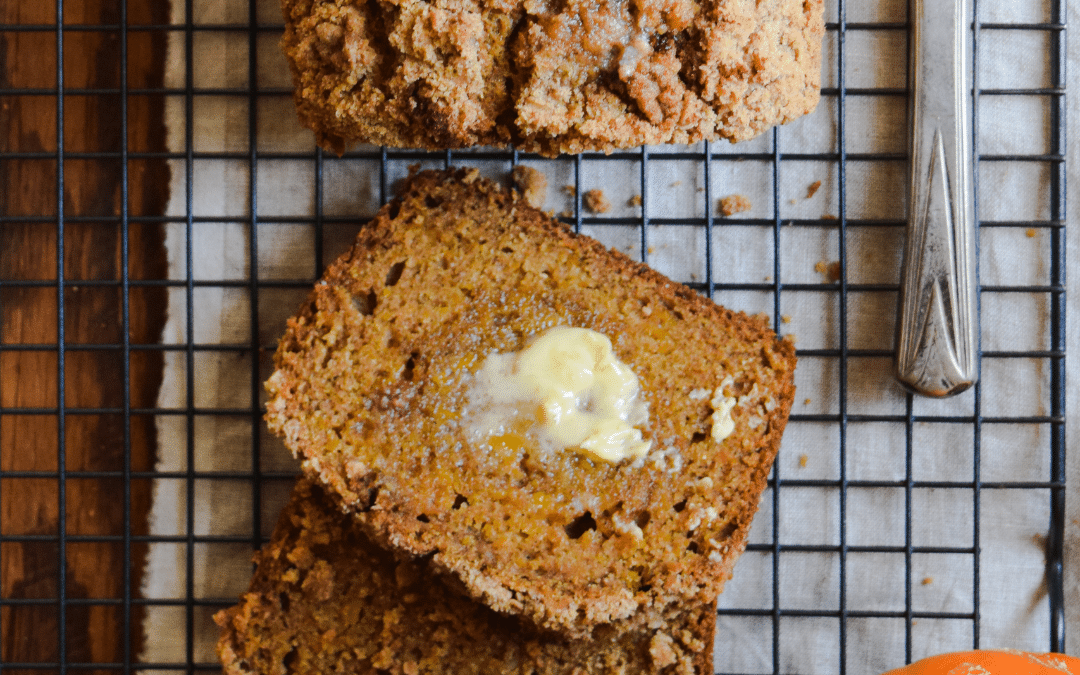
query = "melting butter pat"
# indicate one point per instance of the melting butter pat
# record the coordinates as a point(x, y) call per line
point(582, 397)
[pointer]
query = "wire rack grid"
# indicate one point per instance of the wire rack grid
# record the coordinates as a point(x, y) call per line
point(850, 449)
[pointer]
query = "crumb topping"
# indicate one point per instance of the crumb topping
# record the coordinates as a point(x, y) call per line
point(550, 77)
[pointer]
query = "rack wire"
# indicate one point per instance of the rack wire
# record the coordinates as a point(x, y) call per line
point(677, 187)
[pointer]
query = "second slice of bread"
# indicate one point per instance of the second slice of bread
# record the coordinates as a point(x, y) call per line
point(372, 385)
point(325, 599)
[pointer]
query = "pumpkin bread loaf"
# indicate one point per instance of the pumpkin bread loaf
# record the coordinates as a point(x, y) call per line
point(375, 389)
point(325, 599)
point(550, 77)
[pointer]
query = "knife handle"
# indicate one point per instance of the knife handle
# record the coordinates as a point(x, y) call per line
point(937, 330)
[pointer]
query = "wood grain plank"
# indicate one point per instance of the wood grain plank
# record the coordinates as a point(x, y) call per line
point(93, 314)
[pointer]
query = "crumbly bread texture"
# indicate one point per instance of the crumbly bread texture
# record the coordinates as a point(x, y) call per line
point(548, 76)
point(372, 391)
point(325, 599)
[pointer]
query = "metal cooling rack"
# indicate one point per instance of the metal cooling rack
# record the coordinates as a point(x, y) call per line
point(637, 232)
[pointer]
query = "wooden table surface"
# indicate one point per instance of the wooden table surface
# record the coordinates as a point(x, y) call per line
point(35, 442)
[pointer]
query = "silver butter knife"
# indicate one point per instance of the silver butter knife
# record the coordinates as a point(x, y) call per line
point(937, 334)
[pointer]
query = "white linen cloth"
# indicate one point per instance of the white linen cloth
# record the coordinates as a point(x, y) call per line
point(1012, 591)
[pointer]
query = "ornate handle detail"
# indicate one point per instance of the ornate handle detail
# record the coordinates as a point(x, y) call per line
point(937, 333)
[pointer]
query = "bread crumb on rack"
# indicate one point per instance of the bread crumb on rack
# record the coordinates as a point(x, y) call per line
point(830, 270)
point(1030, 233)
point(733, 204)
point(531, 183)
point(812, 190)
point(927, 581)
point(802, 461)
point(634, 201)
point(595, 201)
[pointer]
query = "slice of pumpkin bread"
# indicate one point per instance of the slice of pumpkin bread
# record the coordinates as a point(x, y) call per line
point(325, 599)
point(384, 387)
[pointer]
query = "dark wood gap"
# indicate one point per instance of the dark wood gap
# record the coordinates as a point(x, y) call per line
point(91, 251)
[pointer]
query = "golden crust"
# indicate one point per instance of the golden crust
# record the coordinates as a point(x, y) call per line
point(325, 599)
point(372, 377)
point(547, 77)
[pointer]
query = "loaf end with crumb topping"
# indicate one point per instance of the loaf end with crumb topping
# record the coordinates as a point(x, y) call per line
point(550, 77)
